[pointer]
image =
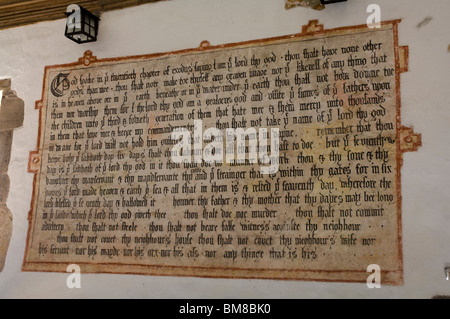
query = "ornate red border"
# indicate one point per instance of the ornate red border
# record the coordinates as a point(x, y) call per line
point(406, 141)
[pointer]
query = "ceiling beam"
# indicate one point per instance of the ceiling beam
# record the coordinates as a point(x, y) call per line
point(25, 12)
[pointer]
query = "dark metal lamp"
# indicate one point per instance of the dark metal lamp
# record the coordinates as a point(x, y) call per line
point(324, 2)
point(82, 25)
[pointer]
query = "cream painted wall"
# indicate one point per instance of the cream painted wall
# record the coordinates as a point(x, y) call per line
point(180, 24)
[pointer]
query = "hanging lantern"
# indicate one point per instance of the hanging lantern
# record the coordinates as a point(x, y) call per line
point(324, 2)
point(82, 25)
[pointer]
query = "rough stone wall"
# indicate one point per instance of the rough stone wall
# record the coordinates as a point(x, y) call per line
point(11, 117)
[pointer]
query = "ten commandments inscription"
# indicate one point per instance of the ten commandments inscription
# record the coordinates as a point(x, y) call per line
point(277, 158)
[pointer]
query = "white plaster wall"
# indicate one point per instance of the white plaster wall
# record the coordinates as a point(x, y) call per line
point(180, 24)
